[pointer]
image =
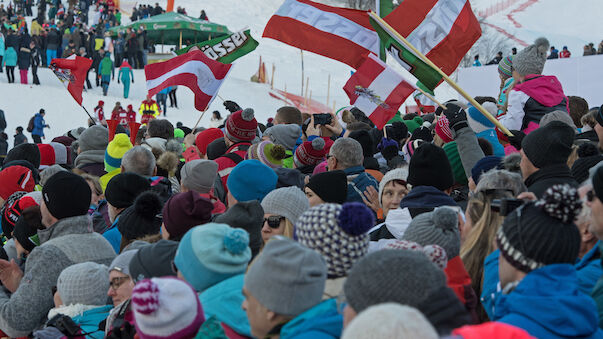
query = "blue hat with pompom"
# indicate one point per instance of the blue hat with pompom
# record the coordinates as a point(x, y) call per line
point(212, 253)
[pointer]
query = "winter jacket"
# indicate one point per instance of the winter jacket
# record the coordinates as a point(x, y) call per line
point(20, 138)
point(565, 54)
point(227, 163)
point(10, 57)
point(53, 39)
point(490, 285)
point(459, 282)
point(89, 320)
point(69, 241)
point(319, 322)
point(546, 177)
point(106, 66)
point(530, 100)
point(548, 303)
point(125, 74)
point(468, 147)
point(2, 47)
point(39, 124)
point(420, 199)
point(35, 58)
point(358, 182)
point(589, 269)
point(2, 121)
point(113, 236)
point(223, 301)
point(490, 136)
point(504, 96)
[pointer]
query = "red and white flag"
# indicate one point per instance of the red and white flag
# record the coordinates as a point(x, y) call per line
point(194, 70)
point(377, 90)
point(342, 34)
point(443, 30)
point(72, 71)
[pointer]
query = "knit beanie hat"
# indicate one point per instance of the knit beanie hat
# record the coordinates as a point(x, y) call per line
point(364, 138)
point(268, 153)
point(212, 253)
point(66, 195)
point(251, 180)
point(338, 233)
point(15, 178)
point(123, 188)
point(142, 218)
point(94, 138)
point(249, 216)
point(287, 277)
point(505, 67)
point(204, 138)
point(561, 116)
point(429, 166)
point(597, 179)
point(483, 165)
point(28, 152)
point(373, 280)
point(27, 226)
point(216, 149)
point(166, 308)
point(285, 135)
point(154, 260)
point(458, 171)
point(413, 124)
point(422, 133)
point(543, 232)
point(116, 150)
point(477, 121)
point(62, 154)
point(532, 58)
point(46, 155)
point(183, 211)
point(410, 147)
point(435, 253)
point(331, 186)
point(199, 175)
point(49, 172)
point(289, 202)
point(439, 227)
point(395, 174)
point(442, 129)
point(588, 156)
point(549, 145)
point(310, 153)
point(13, 210)
point(493, 329)
point(85, 283)
point(121, 263)
point(241, 126)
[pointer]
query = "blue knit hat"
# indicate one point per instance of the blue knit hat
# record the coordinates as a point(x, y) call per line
point(251, 180)
point(212, 253)
point(483, 165)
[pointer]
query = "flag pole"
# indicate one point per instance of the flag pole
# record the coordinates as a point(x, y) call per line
point(430, 97)
point(91, 118)
point(201, 117)
point(453, 84)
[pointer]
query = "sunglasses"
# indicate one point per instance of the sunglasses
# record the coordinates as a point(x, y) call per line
point(274, 221)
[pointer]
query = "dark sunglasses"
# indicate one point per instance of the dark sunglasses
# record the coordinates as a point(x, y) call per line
point(274, 221)
point(590, 196)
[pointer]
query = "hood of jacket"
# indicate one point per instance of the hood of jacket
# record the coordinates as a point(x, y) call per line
point(155, 142)
point(223, 301)
point(321, 321)
point(548, 299)
point(546, 89)
point(74, 225)
point(90, 157)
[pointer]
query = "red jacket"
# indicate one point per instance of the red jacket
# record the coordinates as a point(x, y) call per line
point(131, 116)
point(226, 164)
point(565, 54)
point(460, 282)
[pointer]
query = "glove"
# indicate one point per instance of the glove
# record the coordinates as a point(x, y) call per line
point(385, 142)
point(516, 139)
point(232, 106)
point(118, 80)
point(457, 118)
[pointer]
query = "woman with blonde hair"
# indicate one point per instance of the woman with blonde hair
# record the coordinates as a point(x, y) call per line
point(282, 207)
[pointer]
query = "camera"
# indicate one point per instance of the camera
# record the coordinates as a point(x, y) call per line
point(505, 206)
point(322, 119)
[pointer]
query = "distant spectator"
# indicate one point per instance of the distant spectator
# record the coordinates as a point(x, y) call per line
point(553, 53)
point(203, 16)
point(496, 59)
point(476, 62)
point(565, 53)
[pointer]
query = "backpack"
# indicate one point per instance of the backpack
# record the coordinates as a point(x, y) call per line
point(30, 124)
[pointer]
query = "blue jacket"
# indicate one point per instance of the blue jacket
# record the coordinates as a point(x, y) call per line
point(320, 322)
point(589, 269)
point(39, 124)
point(113, 236)
point(358, 182)
point(10, 57)
point(90, 319)
point(548, 303)
point(224, 300)
point(490, 135)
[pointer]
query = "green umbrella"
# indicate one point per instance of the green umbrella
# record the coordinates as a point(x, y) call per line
point(170, 28)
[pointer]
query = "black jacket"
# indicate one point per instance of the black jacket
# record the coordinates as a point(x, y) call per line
point(546, 177)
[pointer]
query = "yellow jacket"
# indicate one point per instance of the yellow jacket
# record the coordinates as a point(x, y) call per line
point(145, 106)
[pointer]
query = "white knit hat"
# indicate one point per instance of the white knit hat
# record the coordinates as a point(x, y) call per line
point(395, 174)
point(86, 284)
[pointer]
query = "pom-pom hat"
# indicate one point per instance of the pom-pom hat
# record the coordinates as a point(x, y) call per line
point(532, 58)
point(310, 153)
point(241, 126)
point(439, 227)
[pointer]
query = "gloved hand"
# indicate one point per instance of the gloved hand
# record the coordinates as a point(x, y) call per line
point(457, 117)
point(232, 106)
point(385, 142)
point(132, 80)
point(516, 139)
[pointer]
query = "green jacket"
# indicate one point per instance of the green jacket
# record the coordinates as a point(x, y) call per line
point(106, 66)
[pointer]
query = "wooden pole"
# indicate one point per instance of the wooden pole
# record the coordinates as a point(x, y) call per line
point(334, 106)
point(201, 117)
point(272, 79)
point(180, 43)
point(301, 52)
point(430, 97)
point(328, 88)
point(453, 84)
point(306, 94)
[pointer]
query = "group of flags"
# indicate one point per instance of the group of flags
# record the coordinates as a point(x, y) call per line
point(441, 30)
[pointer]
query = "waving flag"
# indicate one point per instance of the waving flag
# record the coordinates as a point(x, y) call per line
point(342, 34)
point(377, 90)
point(72, 71)
point(194, 70)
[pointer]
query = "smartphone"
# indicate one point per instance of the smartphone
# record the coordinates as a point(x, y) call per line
point(505, 206)
point(322, 119)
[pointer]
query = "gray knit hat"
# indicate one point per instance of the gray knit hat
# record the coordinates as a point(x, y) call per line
point(338, 233)
point(95, 138)
point(285, 135)
point(395, 174)
point(290, 202)
point(532, 58)
point(287, 277)
point(405, 277)
point(439, 227)
point(562, 116)
point(199, 175)
point(86, 283)
point(121, 263)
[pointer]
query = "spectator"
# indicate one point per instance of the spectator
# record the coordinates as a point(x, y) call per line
point(476, 62)
point(553, 53)
point(565, 53)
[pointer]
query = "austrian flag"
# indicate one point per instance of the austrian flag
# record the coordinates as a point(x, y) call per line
point(377, 90)
point(194, 70)
point(72, 71)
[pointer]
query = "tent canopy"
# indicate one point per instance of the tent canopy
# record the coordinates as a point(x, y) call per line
point(168, 27)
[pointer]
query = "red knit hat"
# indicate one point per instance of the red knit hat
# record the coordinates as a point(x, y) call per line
point(442, 129)
point(310, 153)
point(206, 137)
point(241, 125)
point(47, 157)
point(14, 179)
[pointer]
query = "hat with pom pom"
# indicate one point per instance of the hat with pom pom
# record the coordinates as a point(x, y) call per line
point(310, 153)
point(442, 129)
point(142, 218)
point(338, 233)
point(532, 58)
point(267, 153)
point(166, 308)
point(116, 150)
point(435, 253)
point(212, 253)
point(241, 126)
point(439, 227)
point(543, 232)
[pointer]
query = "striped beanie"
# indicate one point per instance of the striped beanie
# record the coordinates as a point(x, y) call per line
point(268, 153)
point(310, 153)
point(452, 153)
point(442, 129)
point(410, 147)
point(505, 67)
point(241, 126)
point(116, 150)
